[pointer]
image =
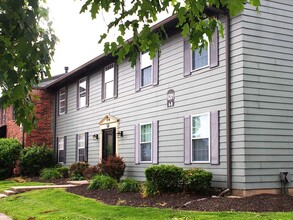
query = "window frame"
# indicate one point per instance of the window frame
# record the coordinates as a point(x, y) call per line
point(151, 142)
point(81, 140)
point(84, 92)
point(146, 54)
point(63, 144)
point(110, 66)
point(209, 138)
point(209, 56)
point(62, 100)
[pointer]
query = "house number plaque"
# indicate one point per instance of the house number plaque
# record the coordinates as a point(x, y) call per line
point(170, 98)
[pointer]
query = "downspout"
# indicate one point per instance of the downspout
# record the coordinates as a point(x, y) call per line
point(228, 101)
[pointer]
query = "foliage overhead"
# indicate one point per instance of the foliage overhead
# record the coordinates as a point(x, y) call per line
point(138, 16)
point(26, 49)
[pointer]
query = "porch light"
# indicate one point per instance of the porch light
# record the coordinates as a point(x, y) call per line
point(120, 134)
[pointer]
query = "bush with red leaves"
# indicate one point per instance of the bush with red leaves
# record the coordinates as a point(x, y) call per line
point(113, 166)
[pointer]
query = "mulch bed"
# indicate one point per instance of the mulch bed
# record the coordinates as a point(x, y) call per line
point(258, 203)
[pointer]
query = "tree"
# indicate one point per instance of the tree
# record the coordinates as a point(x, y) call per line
point(138, 17)
point(26, 49)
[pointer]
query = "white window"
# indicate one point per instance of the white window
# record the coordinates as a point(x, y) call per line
point(146, 142)
point(146, 69)
point(200, 135)
point(62, 100)
point(109, 81)
point(82, 93)
point(61, 152)
point(200, 59)
point(81, 147)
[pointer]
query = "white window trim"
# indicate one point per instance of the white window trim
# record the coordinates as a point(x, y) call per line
point(112, 65)
point(61, 113)
point(151, 83)
point(209, 57)
point(60, 149)
point(151, 141)
point(79, 93)
point(209, 136)
point(78, 144)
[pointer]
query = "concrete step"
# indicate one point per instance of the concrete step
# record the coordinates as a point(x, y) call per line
point(79, 182)
point(19, 189)
point(2, 196)
point(9, 192)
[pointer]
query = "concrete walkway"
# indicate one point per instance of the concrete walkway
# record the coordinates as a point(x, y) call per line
point(4, 217)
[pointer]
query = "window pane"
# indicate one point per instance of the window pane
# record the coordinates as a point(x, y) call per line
point(146, 76)
point(61, 144)
point(109, 87)
point(82, 100)
point(146, 133)
point(61, 156)
point(199, 60)
point(200, 149)
point(81, 139)
point(109, 75)
point(146, 152)
point(200, 126)
point(81, 155)
point(82, 85)
point(145, 60)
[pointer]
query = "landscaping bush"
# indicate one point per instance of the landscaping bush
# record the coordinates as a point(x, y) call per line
point(34, 159)
point(197, 180)
point(128, 185)
point(64, 171)
point(9, 152)
point(102, 182)
point(76, 170)
point(149, 189)
point(113, 166)
point(90, 172)
point(166, 178)
point(50, 174)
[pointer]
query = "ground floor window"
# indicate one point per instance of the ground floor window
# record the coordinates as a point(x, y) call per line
point(61, 141)
point(146, 142)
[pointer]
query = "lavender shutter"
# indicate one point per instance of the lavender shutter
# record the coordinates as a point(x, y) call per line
point(137, 143)
point(155, 141)
point(103, 86)
point(214, 49)
point(76, 148)
point(137, 74)
point(187, 57)
point(215, 137)
point(187, 140)
point(156, 69)
point(115, 80)
point(86, 141)
point(87, 90)
point(65, 149)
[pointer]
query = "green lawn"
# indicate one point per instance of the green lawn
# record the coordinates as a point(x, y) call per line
point(4, 185)
point(58, 204)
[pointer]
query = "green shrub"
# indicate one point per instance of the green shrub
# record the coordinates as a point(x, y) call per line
point(113, 166)
point(34, 159)
point(90, 172)
point(166, 178)
point(76, 170)
point(128, 185)
point(197, 180)
point(50, 174)
point(149, 189)
point(9, 152)
point(64, 172)
point(102, 182)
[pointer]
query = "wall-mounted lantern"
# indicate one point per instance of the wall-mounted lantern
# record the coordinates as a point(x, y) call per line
point(96, 136)
point(120, 134)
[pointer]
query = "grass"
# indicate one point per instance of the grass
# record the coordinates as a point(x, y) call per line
point(7, 184)
point(58, 204)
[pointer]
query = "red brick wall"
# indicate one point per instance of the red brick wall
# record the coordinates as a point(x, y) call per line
point(43, 134)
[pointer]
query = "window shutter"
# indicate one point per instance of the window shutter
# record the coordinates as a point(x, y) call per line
point(66, 99)
point(103, 86)
point(156, 69)
point(187, 57)
point(187, 140)
point(215, 137)
point(57, 149)
point(65, 149)
point(137, 143)
point(86, 143)
point(137, 74)
point(155, 142)
point(214, 49)
point(57, 101)
point(87, 90)
point(76, 148)
point(115, 80)
point(77, 95)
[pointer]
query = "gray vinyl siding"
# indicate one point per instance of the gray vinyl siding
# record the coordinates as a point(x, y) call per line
point(263, 96)
point(202, 91)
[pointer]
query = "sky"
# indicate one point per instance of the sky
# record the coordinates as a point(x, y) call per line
point(78, 35)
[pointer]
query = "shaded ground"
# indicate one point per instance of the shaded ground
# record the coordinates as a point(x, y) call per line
point(259, 203)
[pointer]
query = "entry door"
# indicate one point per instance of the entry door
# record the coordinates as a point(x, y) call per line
point(109, 143)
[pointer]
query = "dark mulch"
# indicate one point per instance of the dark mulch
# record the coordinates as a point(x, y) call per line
point(259, 203)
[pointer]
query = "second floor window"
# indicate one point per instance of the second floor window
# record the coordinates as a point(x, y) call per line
point(146, 69)
point(82, 93)
point(200, 59)
point(62, 101)
point(109, 81)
